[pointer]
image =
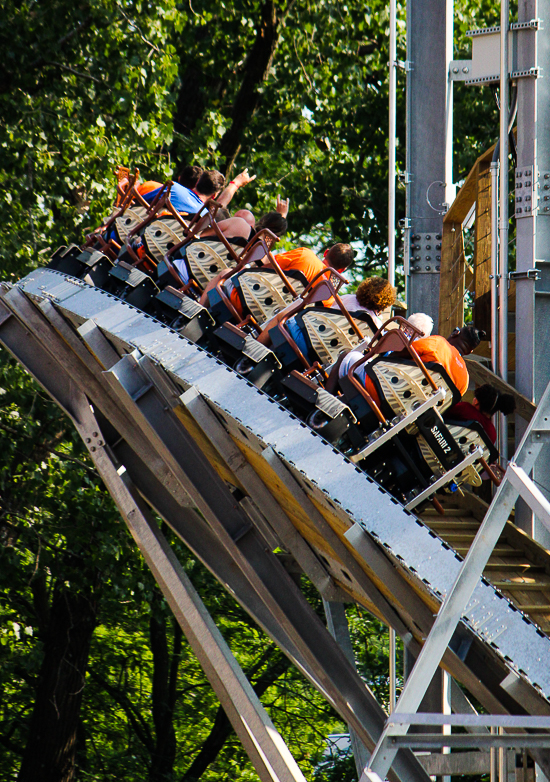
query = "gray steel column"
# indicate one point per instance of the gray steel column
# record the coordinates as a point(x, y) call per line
point(391, 140)
point(533, 232)
point(429, 137)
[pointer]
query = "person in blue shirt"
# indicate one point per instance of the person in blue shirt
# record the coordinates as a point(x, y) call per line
point(209, 185)
point(182, 198)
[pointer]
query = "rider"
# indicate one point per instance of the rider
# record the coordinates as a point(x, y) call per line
point(448, 353)
point(488, 400)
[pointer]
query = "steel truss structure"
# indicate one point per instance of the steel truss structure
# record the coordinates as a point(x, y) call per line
point(173, 430)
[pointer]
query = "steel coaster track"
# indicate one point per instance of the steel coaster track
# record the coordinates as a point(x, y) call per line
point(364, 543)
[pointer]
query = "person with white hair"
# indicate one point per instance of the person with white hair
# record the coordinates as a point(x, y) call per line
point(422, 321)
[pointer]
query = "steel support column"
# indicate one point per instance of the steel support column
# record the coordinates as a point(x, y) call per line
point(533, 233)
point(337, 624)
point(429, 150)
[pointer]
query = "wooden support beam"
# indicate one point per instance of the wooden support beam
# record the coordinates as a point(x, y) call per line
point(467, 193)
point(451, 292)
point(482, 250)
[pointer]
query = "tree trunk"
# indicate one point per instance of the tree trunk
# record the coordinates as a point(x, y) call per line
point(256, 70)
point(50, 752)
point(165, 671)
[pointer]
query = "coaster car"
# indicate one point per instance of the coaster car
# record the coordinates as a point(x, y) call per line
point(251, 294)
point(309, 332)
point(203, 258)
point(410, 449)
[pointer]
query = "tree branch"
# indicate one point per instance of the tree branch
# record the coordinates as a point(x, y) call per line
point(72, 70)
point(137, 722)
point(222, 728)
point(256, 70)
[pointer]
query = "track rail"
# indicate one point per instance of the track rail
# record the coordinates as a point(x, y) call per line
point(364, 543)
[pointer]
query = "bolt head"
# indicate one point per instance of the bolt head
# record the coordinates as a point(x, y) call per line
point(465, 69)
point(455, 69)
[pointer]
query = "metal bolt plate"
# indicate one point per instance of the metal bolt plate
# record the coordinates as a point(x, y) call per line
point(543, 190)
point(526, 192)
point(425, 253)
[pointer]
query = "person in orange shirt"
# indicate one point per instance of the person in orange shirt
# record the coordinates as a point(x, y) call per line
point(448, 353)
point(339, 257)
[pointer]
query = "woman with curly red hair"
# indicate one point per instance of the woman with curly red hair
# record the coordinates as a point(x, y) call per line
point(374, 295)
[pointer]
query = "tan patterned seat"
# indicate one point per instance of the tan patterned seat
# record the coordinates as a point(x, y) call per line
point(330, 333)
point(467, 439)
point(207, 259)
point(160, 235)
point(266, 294)
point(403, 385)
point(127, 222)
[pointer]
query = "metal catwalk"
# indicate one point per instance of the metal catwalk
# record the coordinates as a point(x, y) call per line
point(236, 476)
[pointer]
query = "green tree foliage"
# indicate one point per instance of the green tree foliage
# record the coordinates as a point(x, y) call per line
point(298, 91)
point(84, 87)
